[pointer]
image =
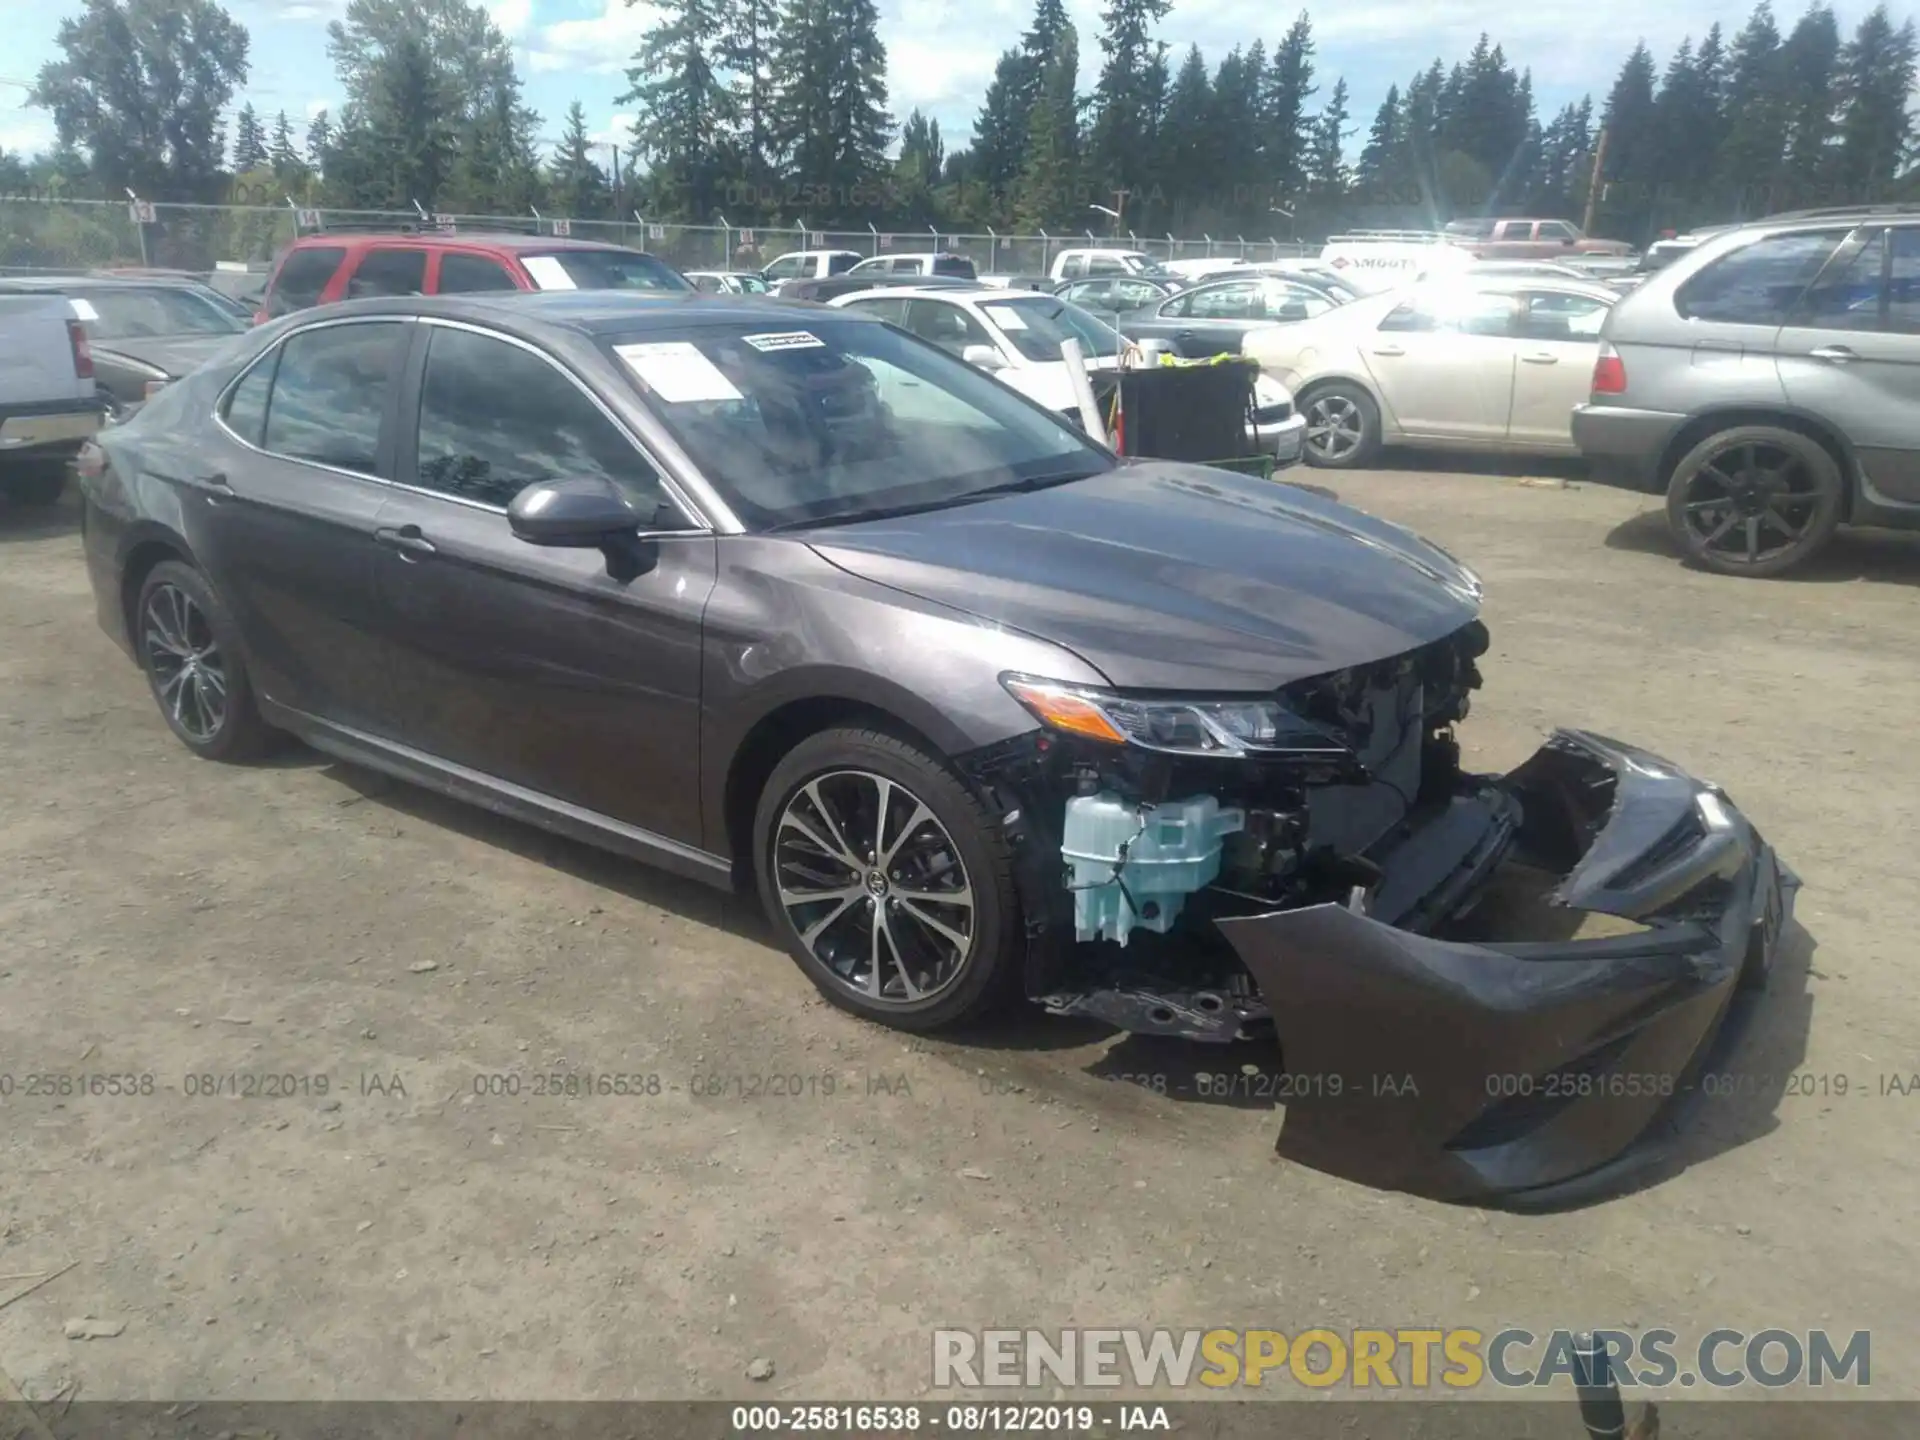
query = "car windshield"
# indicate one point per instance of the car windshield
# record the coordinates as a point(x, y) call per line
point(602, 270)
point(139, 313)
point(844, 419)
point(1035, 325)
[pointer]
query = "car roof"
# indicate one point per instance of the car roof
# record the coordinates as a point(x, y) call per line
point(586, 312)
point(102, 282)
point(946, 292)
point(476, 240)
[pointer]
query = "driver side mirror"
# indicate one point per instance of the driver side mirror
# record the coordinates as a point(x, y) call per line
point(983, 357)
point(582, 514)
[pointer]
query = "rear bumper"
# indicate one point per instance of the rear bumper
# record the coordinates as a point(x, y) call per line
point(1624, 445)
point(48, 431)
point(1529, 1072)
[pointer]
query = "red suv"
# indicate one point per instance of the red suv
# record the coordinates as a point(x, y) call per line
point(319, 269)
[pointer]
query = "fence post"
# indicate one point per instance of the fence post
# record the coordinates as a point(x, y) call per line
point(993, 251)
point(1046, 253)
point(641, 221)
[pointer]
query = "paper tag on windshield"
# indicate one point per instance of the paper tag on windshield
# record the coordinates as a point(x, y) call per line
point(1009, 318)
point(83, 311)
point(785, 340)
point(548, 273)
point(676, 372)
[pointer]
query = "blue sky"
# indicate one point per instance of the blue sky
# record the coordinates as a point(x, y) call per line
point(941, 52)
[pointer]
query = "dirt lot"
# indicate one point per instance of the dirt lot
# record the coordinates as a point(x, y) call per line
point(403, 1236)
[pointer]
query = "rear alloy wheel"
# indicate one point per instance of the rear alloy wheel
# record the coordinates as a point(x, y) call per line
point(1343, 427)
point(1755, 500)
point(876, 868)
point(191, 655)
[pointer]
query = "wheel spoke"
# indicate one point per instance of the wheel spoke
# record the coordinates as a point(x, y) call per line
point(839, 846)
point(1720, 531)
point(1772, 517)
point(170, 687)
point(921, 815)
point(1753, 537)
point(841, 905)
point(937, 926)
point(877, 928)
point(962, 897)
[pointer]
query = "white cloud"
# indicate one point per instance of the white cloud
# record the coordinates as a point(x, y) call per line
point(512, 16)
point(617, 131)
point(601, 43)
point(314, 107)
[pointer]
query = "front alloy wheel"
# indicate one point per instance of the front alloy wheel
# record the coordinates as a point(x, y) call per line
point(888, 880)
point(874, 887)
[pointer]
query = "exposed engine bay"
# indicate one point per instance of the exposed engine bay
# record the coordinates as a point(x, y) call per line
point(1305, 868)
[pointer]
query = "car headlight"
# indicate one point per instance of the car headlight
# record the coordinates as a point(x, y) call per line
point(1177, 725)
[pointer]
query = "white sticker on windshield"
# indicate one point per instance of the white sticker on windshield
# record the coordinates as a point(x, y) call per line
point(676, 372)
point(548, 273)
point(785, 340)
point(1009, 317)
point(83, 311)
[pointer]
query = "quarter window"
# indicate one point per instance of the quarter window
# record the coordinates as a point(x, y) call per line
point(495, 419)
point(1761, 283)
point(1559, 316)
point(246, 412)
point(329, 393)
point(1847, 294)
point(1903, 282)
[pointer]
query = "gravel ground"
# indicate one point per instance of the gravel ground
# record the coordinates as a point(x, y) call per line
point(405, 1237)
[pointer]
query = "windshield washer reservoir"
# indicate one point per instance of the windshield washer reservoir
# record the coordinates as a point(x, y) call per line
point(1133, 865)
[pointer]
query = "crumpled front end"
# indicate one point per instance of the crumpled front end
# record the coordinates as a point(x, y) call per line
point(1511, 1068)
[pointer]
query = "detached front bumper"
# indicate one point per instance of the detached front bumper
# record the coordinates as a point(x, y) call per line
point(1525, 1071)
point(1283, 439)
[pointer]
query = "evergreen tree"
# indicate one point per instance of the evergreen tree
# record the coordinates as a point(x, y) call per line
point(748, 36)
point(917, 172)
point(1876, 130)
point(829, 70)
point(1754, 144)
point(319, 140)
point(1326, 171)
point(576, 185)
point(684, 110)
point(249, 141)
point(1633, 148)
point(1810, 64)
point(1285, 123)
point(1185, 160)
point(1379, 158)
point(1048, 195)
point(1123, 104)
point(281, 153)
point(1000, 129)
point(1233, 145)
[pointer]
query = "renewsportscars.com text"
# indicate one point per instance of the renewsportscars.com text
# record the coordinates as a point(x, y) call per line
point(1415, 1358)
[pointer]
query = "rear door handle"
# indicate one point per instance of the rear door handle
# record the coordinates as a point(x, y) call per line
point(407, 539)
point(1838, 354)
point(1541, 359)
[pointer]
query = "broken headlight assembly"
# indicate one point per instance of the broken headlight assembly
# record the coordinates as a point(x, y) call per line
point(1174, 724)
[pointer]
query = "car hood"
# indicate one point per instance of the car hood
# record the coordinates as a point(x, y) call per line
point(1170, 576)
point(176, 354)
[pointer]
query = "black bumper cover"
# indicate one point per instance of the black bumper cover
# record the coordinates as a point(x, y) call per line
point(1528, 1072)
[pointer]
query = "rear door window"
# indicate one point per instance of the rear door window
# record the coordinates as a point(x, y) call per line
point(330, 393)
point(388, 272)
point(954, 265)
point(467, 274)
point(1903, 282)
point(303, 277)
point(1556, 315)
point(787, 267)
point(1760, 283)
point(840, 264)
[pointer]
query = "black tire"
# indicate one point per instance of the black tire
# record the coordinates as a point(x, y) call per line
point(1776, 494)
point(1336, 410)
point(841, 764)
point(36, 482)
point(187, 705)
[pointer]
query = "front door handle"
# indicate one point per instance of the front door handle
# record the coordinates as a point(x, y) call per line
point(407, 539)
point(1541, 359)
point(1388, 350)
point(1838, 354)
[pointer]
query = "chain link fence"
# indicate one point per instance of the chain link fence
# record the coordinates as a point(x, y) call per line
point(38, 233)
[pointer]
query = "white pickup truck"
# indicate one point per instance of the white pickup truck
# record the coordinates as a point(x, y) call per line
point(48, 406)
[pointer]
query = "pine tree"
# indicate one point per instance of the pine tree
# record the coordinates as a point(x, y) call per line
point(1633, 152)
point(576, 184)
point(1000, 129)
point(1122, 103)
point(1184, 169)
point(829, 70)
point(1049, 188)
point(319, 139)
point(1877, 72)
point(249, 141)
point(1285, 122)
point(1326, 171)
point(684, 111)
point(1754, 144)
point(917, 171)
point(1810, 61)
point(1233, 141)
point(747, 44)
point(281, 153)
point(1379, 158)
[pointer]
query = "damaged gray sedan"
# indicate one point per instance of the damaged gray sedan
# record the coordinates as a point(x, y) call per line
point(788, 599)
